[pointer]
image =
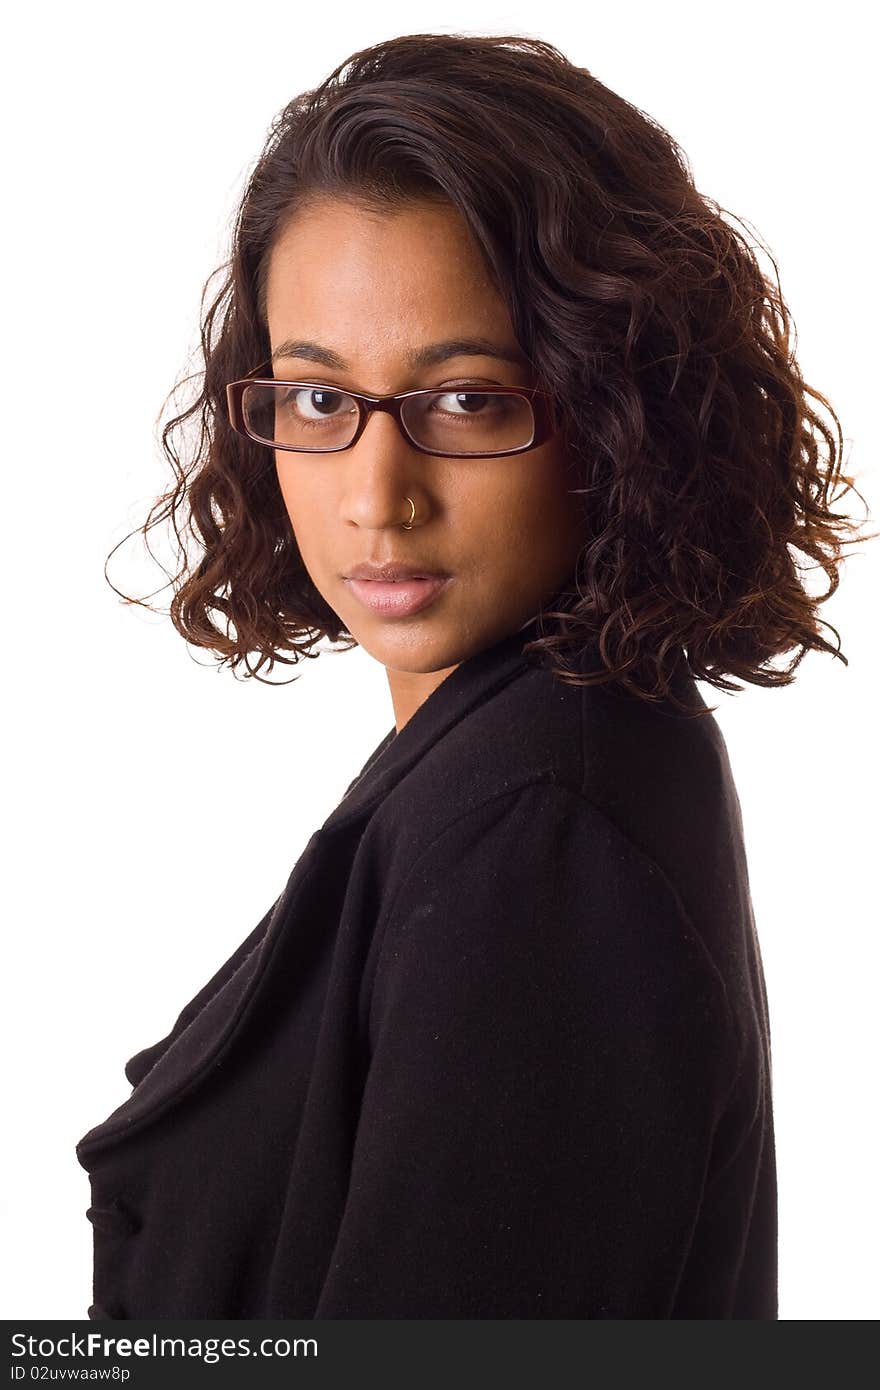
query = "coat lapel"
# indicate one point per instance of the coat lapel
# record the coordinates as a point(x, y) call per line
point(207, 1026)
point(474, 681)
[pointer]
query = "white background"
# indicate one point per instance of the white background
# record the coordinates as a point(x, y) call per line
point(154, 805)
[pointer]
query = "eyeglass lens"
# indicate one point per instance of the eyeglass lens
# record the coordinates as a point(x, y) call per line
point(313, 418)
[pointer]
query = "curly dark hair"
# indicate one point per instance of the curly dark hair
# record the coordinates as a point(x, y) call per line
point(644, 314)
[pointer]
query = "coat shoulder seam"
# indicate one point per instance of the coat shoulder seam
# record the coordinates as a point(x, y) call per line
point(385, 924)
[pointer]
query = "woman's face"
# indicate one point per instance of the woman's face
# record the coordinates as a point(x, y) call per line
point(374, 288)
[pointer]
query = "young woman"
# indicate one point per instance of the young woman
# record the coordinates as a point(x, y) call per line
point(493, 392)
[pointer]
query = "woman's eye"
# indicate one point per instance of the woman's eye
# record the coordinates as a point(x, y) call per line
point(464, 402)
point(315, 403)
point(473, 403)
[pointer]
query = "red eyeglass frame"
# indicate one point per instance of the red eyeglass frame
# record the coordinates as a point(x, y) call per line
point(544, 412)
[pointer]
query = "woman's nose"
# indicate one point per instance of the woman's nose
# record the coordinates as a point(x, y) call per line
point(382, 470)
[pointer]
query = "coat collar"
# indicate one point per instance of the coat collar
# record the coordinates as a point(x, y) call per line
point(207, 1027)
point(197, 1043)
point(472, 682)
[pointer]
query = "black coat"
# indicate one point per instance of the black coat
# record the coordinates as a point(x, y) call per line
point(499, 1050)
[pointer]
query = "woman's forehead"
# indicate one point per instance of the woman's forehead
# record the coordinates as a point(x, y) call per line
point(416, 253)
point(340, 303)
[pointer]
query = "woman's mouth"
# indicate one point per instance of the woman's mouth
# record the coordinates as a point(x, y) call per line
point(398, 599)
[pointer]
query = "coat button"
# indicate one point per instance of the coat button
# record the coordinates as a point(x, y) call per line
point(97, 1313)
point(115, 1219)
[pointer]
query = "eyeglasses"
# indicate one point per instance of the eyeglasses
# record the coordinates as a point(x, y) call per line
point(312, 417)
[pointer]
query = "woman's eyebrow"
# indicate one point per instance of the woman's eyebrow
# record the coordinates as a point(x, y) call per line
point(421, 357)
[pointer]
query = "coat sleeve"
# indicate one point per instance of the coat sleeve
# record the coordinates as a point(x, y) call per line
point(550, 1053)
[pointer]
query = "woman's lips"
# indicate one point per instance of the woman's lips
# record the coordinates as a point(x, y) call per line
point(400, 599)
